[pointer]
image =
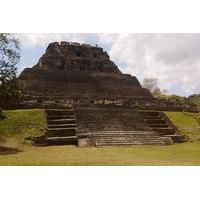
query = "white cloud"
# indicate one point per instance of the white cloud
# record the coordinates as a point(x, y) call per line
point(172, 58)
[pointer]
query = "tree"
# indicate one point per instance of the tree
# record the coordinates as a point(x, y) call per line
point(9, 58)
point(157, 91)
point(150, 83)
point(165, 91)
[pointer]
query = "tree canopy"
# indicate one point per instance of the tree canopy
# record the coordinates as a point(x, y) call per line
point(9, 58)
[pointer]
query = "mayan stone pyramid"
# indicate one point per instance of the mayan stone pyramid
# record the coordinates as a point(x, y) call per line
point(73, 70)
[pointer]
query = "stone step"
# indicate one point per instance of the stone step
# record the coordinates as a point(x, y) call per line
point(61, 125)
point(46, 141)
point(105, 117)
point(97, 125)
point(150, 113)
point(51, 117)
point(128, 141)
point(105, 124)
point(162, 131)
point(98, 144)
point(61, 131)
point(124, 137)
point(126, 132)
point(103, 129)
point(59, 111)
point(58, 129)
point(156, 121)
point(158, 125)
point(61, 121)
point(152, 118)
point(110, 123)
point(178, 138)
point(110, 138)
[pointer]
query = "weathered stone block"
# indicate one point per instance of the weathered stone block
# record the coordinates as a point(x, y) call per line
point(84, 142)
point(167, 140)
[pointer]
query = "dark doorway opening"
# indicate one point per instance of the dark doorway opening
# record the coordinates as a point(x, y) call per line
point(78, 54)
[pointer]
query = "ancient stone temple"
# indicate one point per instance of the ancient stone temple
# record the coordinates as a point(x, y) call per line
point(89, 101)
point(76, 72)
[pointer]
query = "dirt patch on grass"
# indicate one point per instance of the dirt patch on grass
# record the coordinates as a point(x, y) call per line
point(8, 150)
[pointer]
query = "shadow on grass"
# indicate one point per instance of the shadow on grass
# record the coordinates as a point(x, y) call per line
point(2, 116)
point(9, 150)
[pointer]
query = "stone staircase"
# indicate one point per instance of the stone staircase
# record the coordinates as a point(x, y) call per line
point(107, 127)
point(123, 138)
point(107, 119)
point(61, 127)
point(117, 126)
point(158, 122)
point(60, 122)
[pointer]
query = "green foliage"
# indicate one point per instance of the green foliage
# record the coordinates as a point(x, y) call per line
point(157, 91)
point(150, 84)
point(162, 95)
point(9, 58)
point(172, 97)
point(195, 98)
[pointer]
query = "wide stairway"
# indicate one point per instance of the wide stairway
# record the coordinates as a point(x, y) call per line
point(122, 138)
point(107, 127)
point(119, 126)
point(109, 119)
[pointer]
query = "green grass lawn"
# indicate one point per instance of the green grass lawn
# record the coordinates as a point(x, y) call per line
point(19, 124)
point(22, 122)
point(187, 123)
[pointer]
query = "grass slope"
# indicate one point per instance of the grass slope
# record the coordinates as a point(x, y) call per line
point(21, 123)
point(187, 123)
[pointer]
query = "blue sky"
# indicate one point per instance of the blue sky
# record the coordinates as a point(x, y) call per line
point(174, 59)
